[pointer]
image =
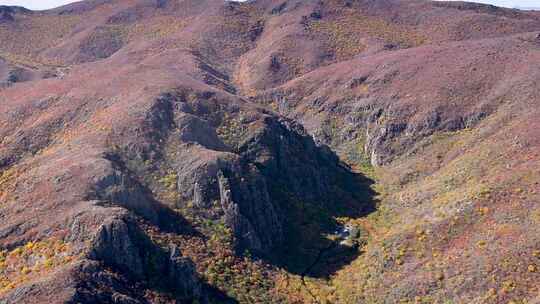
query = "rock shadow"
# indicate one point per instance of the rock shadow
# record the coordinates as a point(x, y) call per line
point(315, 244)
point(124, 189)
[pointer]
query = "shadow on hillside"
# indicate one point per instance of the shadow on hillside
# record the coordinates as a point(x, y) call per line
point(126, 190)
point(214, 295)
point(314, 244)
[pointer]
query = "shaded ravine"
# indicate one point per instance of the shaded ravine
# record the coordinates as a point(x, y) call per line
point(322, 254)
point(322, 257)
point(317, 260)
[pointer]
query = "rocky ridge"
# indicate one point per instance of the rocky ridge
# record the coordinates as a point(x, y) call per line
point(205, 151)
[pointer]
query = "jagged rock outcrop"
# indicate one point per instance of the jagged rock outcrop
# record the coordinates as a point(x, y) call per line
point(168, 151)
point(119, 244)
point(115, 245)
point(229, 161)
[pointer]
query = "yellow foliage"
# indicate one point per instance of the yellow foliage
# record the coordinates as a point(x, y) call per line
point(25, 270)
point(29, 246)
point(25, 263)
point(508, 286)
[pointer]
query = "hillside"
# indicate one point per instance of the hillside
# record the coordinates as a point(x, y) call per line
point(269, 151)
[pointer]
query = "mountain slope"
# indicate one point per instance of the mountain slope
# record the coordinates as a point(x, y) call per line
point(269, 151)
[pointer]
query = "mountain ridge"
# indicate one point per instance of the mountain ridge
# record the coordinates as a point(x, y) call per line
point(216, 152)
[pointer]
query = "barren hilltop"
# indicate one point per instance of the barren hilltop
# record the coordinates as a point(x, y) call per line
point(269, 151)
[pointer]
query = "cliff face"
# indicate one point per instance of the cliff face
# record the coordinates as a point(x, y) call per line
point(268, 151)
